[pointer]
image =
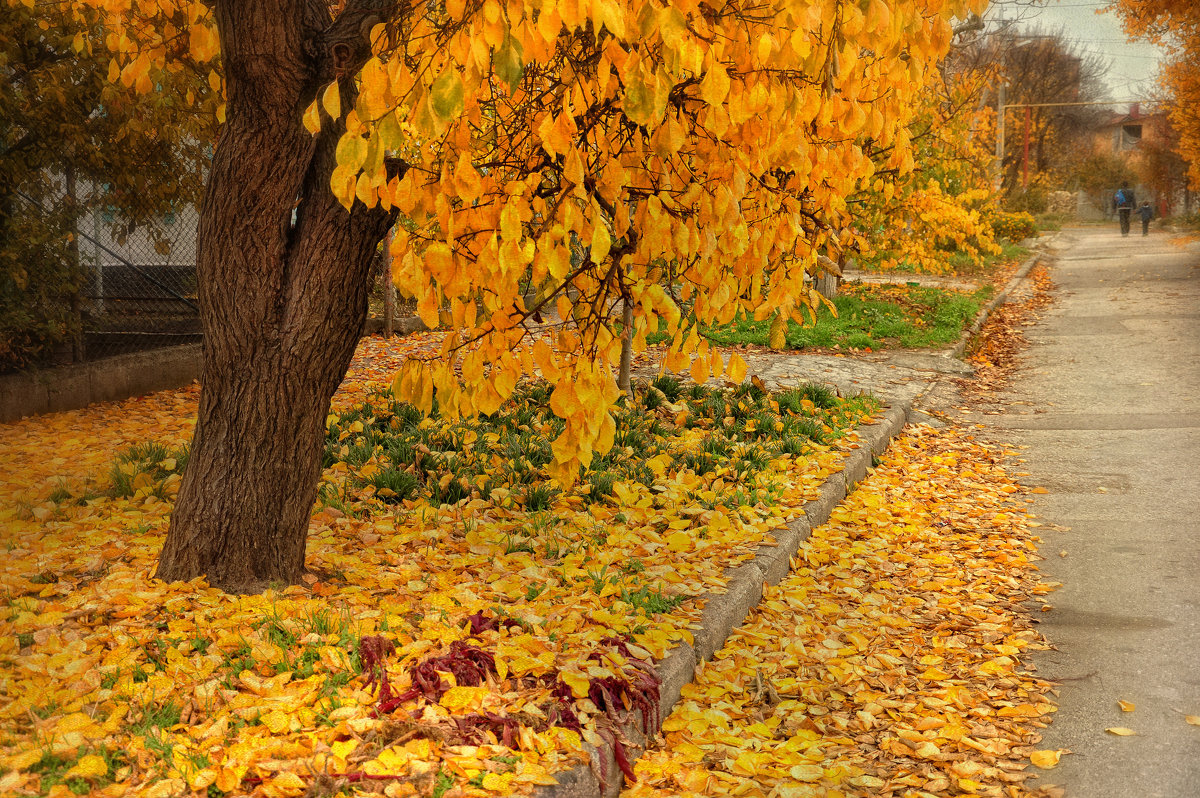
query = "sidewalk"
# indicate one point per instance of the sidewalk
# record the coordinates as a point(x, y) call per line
point(1107, 405)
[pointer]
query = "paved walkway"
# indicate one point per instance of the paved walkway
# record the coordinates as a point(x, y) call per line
point(1108, 404)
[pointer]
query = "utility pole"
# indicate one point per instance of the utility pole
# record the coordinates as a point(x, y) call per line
point(1025, 156)
point(1000, 97)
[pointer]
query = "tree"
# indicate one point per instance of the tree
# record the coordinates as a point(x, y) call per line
point(1098, 174)
point(1175, 25)
point(67, 126)
point(1041, 68)
point(930, 206)
point(1160, 167)
point(711, 146)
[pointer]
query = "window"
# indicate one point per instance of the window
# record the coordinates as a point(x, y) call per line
point(1130, 136)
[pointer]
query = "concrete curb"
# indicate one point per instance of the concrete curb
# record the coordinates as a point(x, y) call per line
point(996, 302)
point(724, 612)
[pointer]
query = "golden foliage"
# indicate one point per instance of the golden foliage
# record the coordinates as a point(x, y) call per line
point(1175, 26)
point(565, 156)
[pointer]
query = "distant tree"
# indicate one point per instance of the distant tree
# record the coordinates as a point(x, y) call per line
point(1160, 167)
point(1099, 174)
point(1175, 26)
point(67, 121)
point(1041, 67)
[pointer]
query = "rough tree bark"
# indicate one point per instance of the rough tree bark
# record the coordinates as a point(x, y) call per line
point(283, 284)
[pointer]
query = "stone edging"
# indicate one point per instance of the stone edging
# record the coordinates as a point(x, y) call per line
point(996, 302)
point(723, 612)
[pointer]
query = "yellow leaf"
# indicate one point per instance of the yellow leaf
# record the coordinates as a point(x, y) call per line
point(285, 784)
point(1193, 719)
point(312, 118)
point(464, 698)
point(342, 748)
point(1046, 759)
point(715, 86)
point(601, 242)
point(498, 782)
point(736, 368)
point(1126, 706)
point(510, 222)
point(344, 182)
point(202, 778)
point(679, 541)
point(276, 721)
point(1121, 731)
point(26, 759)
point(228, 780)
point(807, 772)
point(391, 761)
point(91, 766)
point(331, 100)
point(577, 682)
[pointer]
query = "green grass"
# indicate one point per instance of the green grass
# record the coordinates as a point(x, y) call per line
point(871, 317)
point(146, 465)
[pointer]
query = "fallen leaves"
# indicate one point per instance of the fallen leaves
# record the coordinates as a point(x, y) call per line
point(1121, 731)
point(994, 352)
point(896, 649)
point(1126, 706)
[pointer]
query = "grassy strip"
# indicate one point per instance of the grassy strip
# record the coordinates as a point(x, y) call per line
point(389, 453)
point(871, 317)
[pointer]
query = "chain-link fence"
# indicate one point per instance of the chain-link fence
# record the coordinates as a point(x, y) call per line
point(116, 278)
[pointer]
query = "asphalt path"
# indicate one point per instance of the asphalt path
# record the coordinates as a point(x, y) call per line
point(1107, 403)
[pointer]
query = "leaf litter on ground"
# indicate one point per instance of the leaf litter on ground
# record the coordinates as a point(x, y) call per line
point(465, 647)
point(891, 661)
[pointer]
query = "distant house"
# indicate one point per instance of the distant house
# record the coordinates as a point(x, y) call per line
point(1146, 141)
point(1125, 133)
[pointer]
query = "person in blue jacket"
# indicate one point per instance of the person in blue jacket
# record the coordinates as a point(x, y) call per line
point(1125, 202)
point(1147, 213)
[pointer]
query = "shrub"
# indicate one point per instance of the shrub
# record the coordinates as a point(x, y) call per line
point(1013, 226)
point(1031, 200)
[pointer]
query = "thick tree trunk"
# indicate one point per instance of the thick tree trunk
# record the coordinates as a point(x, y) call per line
point(284, 273)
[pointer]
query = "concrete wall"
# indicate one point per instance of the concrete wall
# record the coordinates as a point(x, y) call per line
point(112, 379)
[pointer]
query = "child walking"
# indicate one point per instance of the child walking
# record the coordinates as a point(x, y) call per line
point(1147, 213)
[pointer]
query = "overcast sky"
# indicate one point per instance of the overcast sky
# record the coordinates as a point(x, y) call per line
point(1131, 66)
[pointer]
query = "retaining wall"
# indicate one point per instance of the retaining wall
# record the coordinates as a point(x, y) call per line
point(111, 379)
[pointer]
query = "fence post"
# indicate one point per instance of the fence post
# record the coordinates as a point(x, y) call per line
point(73, 252)
point(98, 262)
